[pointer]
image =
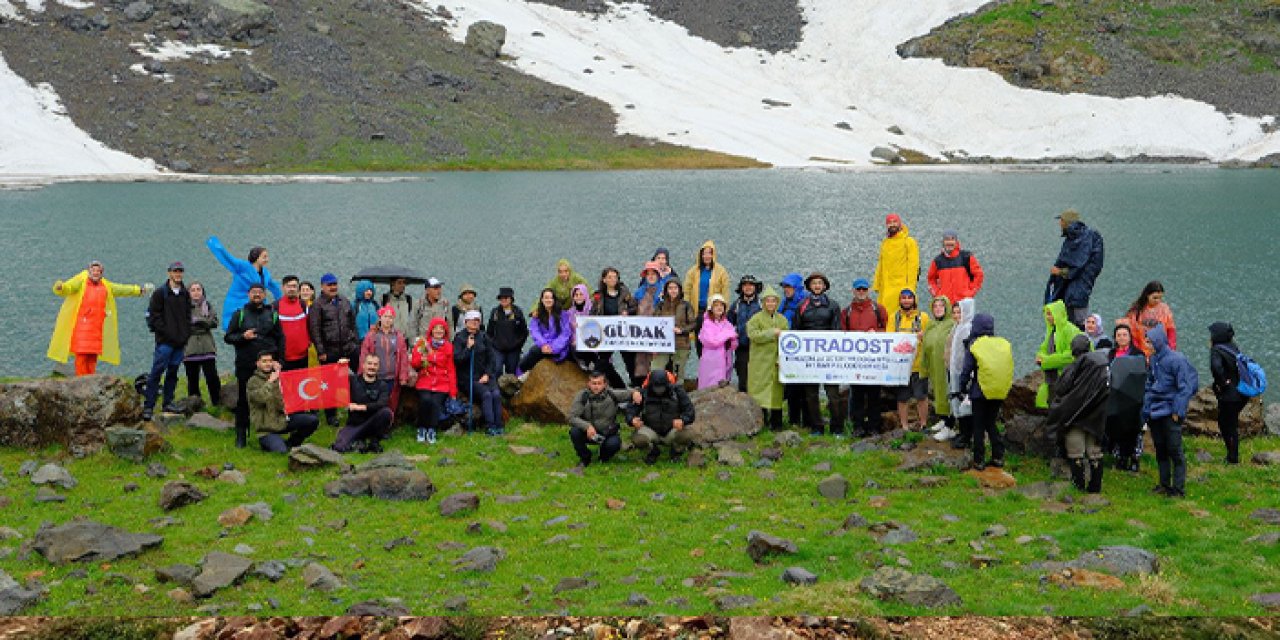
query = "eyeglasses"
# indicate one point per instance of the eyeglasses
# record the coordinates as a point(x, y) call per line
point(860, 288)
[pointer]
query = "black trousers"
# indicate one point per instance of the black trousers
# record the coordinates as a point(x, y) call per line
point(510, 361)
point(242, 403)
point(794, 396)
point(374, 428)
point(610, 447)
point(430, 405)
point(1229, 426)
point(864, 408)
point(532, 358)
point(210, 370)
point(741, 358)
point(985, 413)
point(811, 407)
point(298, 427)
point(1122, 434)
point(1167, 436)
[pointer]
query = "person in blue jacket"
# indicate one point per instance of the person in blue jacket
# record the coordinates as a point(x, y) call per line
point(1171, 381)
point(793, 293)
point(365, 307)
point(1077, 266)
point(244, 274)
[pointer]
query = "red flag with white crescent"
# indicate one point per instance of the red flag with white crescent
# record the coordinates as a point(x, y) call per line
point(323, 387)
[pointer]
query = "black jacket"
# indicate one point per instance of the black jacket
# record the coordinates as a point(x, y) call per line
point(374, 395)
point(332, 325)
point(658, 409)
point(509, 332)
point(169, 315)
point(1222, 363)
point(486, 360)
point(1081, 393)
point(270, 337)
point(818, 313)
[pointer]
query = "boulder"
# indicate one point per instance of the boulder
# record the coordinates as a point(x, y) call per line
point(189, 405)
point(255, 80)
point(1202, 416)
point(1272, 421)
point(387, 477)
point(219, 570)
point(180, 574)
point(88, 541)
point(134, 445)
point(1118, 561)
point(892, 533)
point(13, 597)
point(761, 545)
point(1028, 434)
point(486, 38)
point(886, 154)
point(893, 583)
point(312, 456)
point(1022, 397)
point(799, 575)
point(139, 11)
point(480, 559)
point(53, 474)
point(724, 413)
point(232, 18)
point(929, 454)
point(547, 393)
point(834, 487)
point(730, 456)
point(71, 412)
point(319, 578)
point(179, 494)
point(459, 503)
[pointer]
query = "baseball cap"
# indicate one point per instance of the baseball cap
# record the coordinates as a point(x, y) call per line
point(861, 283)
point(176, 266)
point(328, 278)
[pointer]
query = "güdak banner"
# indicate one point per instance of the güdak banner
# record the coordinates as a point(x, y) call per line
point(625, 333)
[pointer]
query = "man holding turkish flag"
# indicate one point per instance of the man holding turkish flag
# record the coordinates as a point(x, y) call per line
point(323, 387)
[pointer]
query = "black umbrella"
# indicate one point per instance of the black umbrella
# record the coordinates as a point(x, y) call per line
point(385, 274)
point(1128, 383)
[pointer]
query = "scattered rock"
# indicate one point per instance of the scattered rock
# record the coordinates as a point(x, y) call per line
point(1267, 458)
point(456, 603)
point(638, 600)
point(376, 609)
point(730, 457)
point(1267, 515)
point(319, 578)
point(255, 80)
point(232, 18)
point(204, 420)
point(1269, 601)
point(88, 541)
point(886, 154)
point(770, 102)
point(893, 583)
point(235, 517)
point(521, 450)
point(157, 470)
point(996, 531)
point(728, 603)
point(486, 39)
point(931, 482)
point(724, 413)
point(761, 545)
point(571, 584)
point(271, 570)
point(13, 597)
point(1271, 423)
point(893, 533)
point(387, 477)
point(1204, 457)
point(459, 503)
point(930, 454)
point(480, 559)
point(219, 570)
point(312, 456)
point(614, 504)
point(181, 596)
point(1086, 579)
point(133, 445)
point(70, 412)
point(696, 459)
point(993, 478)
point(232, 477)
point(788, 439)
point(799, 575)
point(1266, 539)
point(771, 454)
point(53, 474)
point(45, 494)
point(1045, 490)
point(1118, 561)
point(180, 574)
point(834, 487)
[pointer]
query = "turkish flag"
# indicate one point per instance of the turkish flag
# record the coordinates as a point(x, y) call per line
point(324, 387)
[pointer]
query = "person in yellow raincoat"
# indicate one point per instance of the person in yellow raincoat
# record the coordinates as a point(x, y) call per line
point(898, 267)
point(87, 324)
point(706, 278)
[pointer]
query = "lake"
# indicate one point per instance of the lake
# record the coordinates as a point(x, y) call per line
point(1200, 231)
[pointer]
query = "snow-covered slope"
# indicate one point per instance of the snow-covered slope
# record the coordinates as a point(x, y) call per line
point(669, 85)
point(37, 137)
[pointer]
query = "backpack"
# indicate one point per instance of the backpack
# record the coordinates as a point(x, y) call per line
point(915, 322)
point(995, 366)
point(1253, 380)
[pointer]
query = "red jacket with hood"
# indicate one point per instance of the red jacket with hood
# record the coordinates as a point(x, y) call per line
point(956, 275)
point(435, 366)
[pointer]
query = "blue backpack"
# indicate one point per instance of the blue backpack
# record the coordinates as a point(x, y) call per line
point(1253, 380)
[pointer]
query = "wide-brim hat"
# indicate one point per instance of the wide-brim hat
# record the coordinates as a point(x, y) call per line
point(506, 292)
point(818, 276)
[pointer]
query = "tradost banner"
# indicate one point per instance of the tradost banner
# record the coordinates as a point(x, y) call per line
point(625, 333)
point(846, 357)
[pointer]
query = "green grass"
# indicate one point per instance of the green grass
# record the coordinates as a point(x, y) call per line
point(661, 546)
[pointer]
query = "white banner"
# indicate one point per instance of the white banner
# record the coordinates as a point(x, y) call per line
point(846, 357)
point(643, 334)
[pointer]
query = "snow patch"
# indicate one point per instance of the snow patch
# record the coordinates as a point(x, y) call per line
point(843, 87)
point(167, 50)
point(37, 137)
point(141, 70)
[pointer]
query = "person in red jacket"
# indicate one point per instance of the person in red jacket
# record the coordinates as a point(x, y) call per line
point(864, 314)
point(293, 321)
point(437, 380)
point(954, 273)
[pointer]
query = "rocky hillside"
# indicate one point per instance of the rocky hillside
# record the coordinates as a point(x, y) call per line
point(327, 85)
point(1226, 53)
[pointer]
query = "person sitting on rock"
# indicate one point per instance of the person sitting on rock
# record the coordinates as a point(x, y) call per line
point(369, 418)
point(593, 418)
point(1078, 412)
point(266, 410)
point(661, 417)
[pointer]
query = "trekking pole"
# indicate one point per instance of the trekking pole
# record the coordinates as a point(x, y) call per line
point(471, 389)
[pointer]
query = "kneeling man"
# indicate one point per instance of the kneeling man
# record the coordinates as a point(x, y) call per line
point(266, 410)
point(661, 417)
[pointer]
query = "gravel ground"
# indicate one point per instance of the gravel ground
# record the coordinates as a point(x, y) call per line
point(771, 25)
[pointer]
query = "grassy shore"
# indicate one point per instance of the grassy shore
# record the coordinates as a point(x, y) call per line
point(677, 536)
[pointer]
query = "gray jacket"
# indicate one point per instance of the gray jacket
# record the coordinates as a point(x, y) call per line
point(598, 410)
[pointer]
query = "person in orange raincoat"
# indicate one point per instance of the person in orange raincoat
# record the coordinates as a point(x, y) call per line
point(87, 326)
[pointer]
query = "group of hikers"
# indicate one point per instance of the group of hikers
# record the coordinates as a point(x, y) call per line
point(446, 350)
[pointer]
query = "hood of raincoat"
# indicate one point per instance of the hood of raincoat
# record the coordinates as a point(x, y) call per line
point(1058, 309)
point(361, 287)
point(1158, 338)
point(431, 327)
point(983, 325)
point(1080, 345)
point(770, 292)
point(793, 280)
point(1221, 333)
point(946, 312)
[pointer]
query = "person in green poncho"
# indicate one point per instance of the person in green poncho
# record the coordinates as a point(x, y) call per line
point(763, 330)
point(934, 361)
point(1055, 352)
point(564, 282)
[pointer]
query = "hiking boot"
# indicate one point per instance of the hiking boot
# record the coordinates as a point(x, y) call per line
point(373, 446)
point(1077, 473)
point(977, 465)
point(146, 415)
point(997, 463)
point(170, 407)
point(431, 436)
point(1177, 494)
point(652, 456)
point(422, 434)
point(960, 443)
point(1095, 476)
point(1160, 490)
point(332, 420)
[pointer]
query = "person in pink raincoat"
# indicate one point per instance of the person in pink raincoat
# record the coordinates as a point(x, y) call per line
point(719, 340)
